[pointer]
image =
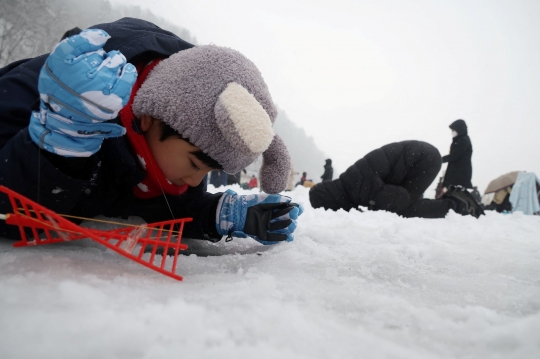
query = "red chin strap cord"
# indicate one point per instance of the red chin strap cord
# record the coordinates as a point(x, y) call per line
point(155, 182)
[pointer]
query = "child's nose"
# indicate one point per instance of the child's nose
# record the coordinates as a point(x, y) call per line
point(195, 179)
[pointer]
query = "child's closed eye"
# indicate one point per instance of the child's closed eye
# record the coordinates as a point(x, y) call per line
point(194, 165)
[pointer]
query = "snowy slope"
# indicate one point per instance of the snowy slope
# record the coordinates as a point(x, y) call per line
point(352, 285)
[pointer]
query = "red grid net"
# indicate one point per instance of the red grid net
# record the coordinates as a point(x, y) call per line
point(154, 245)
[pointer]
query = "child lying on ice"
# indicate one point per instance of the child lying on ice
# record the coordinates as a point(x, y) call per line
point(191, 109)
point(394, 178)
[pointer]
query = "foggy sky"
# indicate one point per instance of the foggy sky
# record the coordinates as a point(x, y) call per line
point(357, 75)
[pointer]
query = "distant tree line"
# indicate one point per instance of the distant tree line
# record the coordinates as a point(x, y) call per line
point(30, 28)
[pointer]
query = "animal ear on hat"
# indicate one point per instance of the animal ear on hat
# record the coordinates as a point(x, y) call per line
point(243, 121)
point(276, 167)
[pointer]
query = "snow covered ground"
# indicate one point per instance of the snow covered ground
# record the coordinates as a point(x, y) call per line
point(352, 285)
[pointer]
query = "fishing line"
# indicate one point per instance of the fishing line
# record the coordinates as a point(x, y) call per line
point(40, 147)
point(155, 172)
point(3, 217)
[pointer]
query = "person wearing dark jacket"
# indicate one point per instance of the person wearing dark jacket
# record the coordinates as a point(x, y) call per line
point(459, 171)
point(218, 178)
point(126, 119)
point(236, 178)
point(302, 179)
point(393, 178)
point(328, 174)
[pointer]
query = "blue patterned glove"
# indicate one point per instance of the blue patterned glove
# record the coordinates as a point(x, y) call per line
point(80, 87)
point(267, 218)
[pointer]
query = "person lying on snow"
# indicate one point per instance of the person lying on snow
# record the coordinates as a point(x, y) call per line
point(186, 110)
point(393, 178)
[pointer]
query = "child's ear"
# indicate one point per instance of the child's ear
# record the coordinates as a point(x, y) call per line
point(146, 122)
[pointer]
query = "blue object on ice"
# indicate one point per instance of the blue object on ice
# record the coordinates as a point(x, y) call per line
point(80, 87)
point(267, 218)
point(524, 197)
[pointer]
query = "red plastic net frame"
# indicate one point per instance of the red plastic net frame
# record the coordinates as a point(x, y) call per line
point(143, 244)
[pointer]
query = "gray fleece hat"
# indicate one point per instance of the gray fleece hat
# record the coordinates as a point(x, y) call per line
point(217, 99)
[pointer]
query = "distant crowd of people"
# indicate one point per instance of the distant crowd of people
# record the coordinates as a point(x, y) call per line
point(394, 178)
point(220, 178)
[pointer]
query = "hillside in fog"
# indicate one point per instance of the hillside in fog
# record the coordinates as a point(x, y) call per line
point(29, 28)
point(305, 155)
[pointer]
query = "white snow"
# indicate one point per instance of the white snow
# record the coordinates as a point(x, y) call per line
point(95, 37)
point(143, 187)
point(351, 285)
point(142, 161)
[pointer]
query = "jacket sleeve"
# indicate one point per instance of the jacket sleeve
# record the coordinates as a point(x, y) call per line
point(456, 151)
point(197, 204)
point(202, 208)
point(19, 92)
point(23, 167)
point(141, 41)
point(27, 171)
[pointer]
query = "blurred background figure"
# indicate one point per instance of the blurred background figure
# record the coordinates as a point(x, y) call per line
point(235, 178)
point(328, 171)
point(253, 183)
point(302, 179)
point(218, 178)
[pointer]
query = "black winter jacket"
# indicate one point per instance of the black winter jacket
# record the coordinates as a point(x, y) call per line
point(328, 171)
point(62, 184)
point(390, 178)
point(459, 171)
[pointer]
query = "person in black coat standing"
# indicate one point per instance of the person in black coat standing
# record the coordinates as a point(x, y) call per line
point(459, 171)
point(328, 171)
point(394, 178)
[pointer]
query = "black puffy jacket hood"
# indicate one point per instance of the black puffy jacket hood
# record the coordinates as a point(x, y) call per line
point(459, 126)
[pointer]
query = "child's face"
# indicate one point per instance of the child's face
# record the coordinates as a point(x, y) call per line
point(173, 155)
